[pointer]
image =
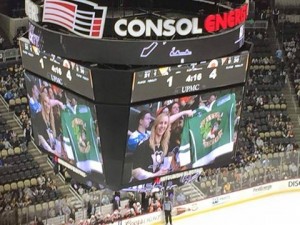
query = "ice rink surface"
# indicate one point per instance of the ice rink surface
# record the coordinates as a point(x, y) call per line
point(279, 209)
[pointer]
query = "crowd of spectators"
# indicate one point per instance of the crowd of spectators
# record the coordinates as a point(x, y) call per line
point(12, 82)
point(291, 46)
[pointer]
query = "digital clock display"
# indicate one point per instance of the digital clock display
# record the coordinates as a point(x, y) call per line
point(188, 78)
point(56, 69)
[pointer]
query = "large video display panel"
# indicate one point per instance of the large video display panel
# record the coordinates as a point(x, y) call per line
point(64, 125)
point(182, 133)
point(185, 78)
point(61, 71)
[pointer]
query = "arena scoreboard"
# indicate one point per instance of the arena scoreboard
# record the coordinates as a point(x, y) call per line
point(61, 71)
point(101, 88)
point(187, 78)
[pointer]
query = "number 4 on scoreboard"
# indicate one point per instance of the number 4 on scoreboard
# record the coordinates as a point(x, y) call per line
point(68, 75)
point(213, 74)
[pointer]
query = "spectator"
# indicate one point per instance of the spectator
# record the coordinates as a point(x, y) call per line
point(141, 134)
point(27, 134)
point(116, 203)
point(167, 206)
point(39, 221)
point(105, 200)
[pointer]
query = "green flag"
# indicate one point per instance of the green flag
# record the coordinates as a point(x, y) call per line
point(80, 141)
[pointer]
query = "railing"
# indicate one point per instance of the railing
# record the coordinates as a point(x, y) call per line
point(257, 24)
point(7, 54)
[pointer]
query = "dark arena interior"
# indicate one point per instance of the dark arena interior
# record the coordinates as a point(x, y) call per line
point(111, 109)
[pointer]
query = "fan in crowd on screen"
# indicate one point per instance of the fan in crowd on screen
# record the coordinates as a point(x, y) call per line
point(150, 158)
point(141, 133)
point(34, 104)
point(46, 131)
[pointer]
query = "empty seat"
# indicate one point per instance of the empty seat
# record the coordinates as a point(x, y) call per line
point(10, 152)
point(4, 153)
point(12, 104)
point(24, 100)
point(7, 187)
point(31, 212)
point(27, 183)
point(45, 209)
point(14, 186)
point(17, 150)
point(33, 181)
point(20, 184)
point(18, 101)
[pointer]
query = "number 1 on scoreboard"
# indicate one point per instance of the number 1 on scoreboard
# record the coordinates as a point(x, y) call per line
point(170, 81)
point(42, 63)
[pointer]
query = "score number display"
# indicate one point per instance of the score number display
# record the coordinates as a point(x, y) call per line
point(56, 69)
point(187, 78)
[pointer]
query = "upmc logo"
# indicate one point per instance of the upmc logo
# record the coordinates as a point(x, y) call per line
point(84, 18)
point(183, 27)
point(294, 183)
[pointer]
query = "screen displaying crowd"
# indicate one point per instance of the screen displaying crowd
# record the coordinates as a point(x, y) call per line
point(179, 134)
point(64, 124)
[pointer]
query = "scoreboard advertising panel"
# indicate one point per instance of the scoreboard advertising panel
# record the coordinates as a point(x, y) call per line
point(65, 125)
point(182, 133)
point(142, 51)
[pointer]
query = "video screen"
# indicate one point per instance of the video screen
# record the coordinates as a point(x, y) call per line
point(64, 124)
point(183, 133)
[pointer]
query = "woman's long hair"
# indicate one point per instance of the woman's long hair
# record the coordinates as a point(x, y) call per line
point(43, 96)
point(166, 136)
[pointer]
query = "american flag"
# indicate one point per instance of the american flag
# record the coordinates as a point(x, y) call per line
point(82, 17)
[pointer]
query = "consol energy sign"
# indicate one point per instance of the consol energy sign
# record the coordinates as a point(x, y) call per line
point(183, 27)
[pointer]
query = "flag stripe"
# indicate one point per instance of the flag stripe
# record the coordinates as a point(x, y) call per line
point(83, 23)
point(59, 11)
point(67, 10)
point(97, 21)
point(85, 12)
point(62, 4)
point(54, 14)
point(89, 17)
point(79, 28)
point(59, 21)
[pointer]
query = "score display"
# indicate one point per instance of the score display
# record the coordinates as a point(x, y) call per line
point(187, 78)
point(56, 69)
